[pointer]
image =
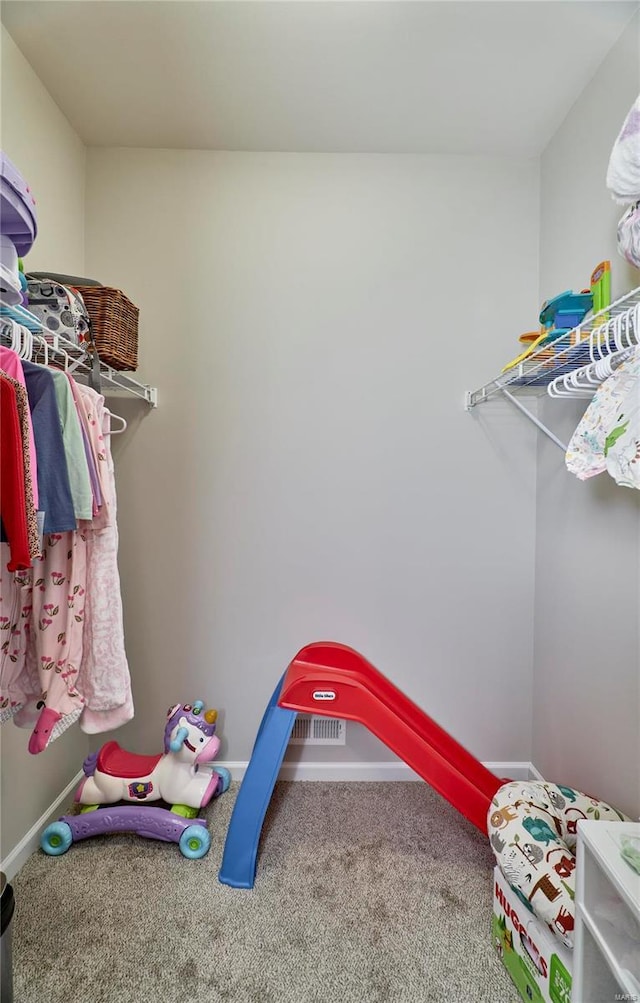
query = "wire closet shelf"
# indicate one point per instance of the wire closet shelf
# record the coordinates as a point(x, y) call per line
point(575, 364)
point(48, 347)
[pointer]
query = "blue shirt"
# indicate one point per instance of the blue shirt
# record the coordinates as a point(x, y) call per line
point(54, 490)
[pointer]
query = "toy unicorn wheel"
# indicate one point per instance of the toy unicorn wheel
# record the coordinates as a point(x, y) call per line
point(195, 842)
point(225, 776)
point(56, 838)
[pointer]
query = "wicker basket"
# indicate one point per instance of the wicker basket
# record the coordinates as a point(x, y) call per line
point(114, 324)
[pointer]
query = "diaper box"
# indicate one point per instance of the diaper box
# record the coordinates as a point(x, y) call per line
point(537, 961)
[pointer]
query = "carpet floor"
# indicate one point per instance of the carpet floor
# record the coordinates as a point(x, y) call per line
point(365, 893)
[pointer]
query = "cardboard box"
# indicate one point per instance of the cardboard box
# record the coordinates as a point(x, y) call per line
point(538, 962)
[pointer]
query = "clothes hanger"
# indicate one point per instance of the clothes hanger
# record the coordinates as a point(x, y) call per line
point(116, 431)
point(599, 340)
point(620, 332)
point(558, 388)
point(27, 344)
point(603, 369)
point(594, 374)
point(56, 350)
point(630, 329)
point(65, 356)
point(16, 339)
point(578, 382)
point(45, 346)
point(582, 379)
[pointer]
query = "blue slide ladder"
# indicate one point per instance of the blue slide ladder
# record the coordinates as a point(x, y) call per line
point(241, 845)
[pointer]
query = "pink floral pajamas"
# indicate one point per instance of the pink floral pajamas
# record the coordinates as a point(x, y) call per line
point(62, 652)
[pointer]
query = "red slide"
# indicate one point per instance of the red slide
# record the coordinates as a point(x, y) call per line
point(335, 681)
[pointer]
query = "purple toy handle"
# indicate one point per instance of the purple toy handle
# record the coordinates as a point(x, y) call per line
point(152, 823)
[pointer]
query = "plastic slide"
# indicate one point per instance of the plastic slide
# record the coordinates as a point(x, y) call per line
point(241, 845)
point(333, 680)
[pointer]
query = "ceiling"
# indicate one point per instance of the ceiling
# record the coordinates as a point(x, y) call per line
point(344, 76)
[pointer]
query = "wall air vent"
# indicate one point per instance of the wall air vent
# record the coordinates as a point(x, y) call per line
point(311, 729)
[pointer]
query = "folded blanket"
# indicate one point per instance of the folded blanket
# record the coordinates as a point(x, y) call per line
point(623, 172)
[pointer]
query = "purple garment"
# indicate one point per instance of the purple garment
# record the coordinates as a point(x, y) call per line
point(93, 473)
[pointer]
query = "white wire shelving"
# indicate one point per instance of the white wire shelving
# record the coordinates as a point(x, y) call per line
point(45, 347)
point(573, 365)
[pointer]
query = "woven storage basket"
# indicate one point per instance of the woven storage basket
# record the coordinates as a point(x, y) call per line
point(114, 324)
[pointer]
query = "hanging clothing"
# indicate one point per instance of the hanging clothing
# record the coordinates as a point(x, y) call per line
point(622, 446)
point(104, 678)
point(74, 448)
point(13, 503)
point(88, 451)
point(17, 508)
point(11, 364)
point(54, 648)
point(16, 687)
point(94, 410)
point(62, 654)
point(23, 417)
point(53, 475)
point(586, 455)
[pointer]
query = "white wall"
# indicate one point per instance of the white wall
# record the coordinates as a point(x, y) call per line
point(39, 140)
point(312, 323)
point(586, 722)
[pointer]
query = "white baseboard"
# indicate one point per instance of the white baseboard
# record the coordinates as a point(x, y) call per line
point(534, 774)
point(377, 771)
point(339, 772)
point(514, 771)
point(17, 857)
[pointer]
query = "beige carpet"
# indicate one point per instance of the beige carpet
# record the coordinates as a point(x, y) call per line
point(365, 893)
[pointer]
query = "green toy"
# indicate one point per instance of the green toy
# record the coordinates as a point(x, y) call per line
point(601, 287)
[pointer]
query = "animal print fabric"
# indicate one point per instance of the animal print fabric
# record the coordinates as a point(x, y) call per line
point(622, 448)
point(532, 829)
point(32, 521)
point(24, 420)
point(592, 440)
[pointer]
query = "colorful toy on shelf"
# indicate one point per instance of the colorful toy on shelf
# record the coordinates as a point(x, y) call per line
point(561, 314)
point(529, 336)
point(601, 287)
point(564, 312)
point(182, 775)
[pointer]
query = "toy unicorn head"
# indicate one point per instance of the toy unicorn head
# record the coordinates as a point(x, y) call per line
point(190, 734)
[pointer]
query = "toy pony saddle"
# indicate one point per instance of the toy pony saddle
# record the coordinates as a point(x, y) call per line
point(117, 762)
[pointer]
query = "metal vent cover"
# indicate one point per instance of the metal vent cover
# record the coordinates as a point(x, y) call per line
point(312, 729)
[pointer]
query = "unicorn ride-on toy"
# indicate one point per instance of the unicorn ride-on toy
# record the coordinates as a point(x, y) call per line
point(182, 776)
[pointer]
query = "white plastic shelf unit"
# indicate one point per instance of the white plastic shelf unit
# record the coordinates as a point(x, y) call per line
point(555, 369)
point(54, 347)
point(606, 962)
